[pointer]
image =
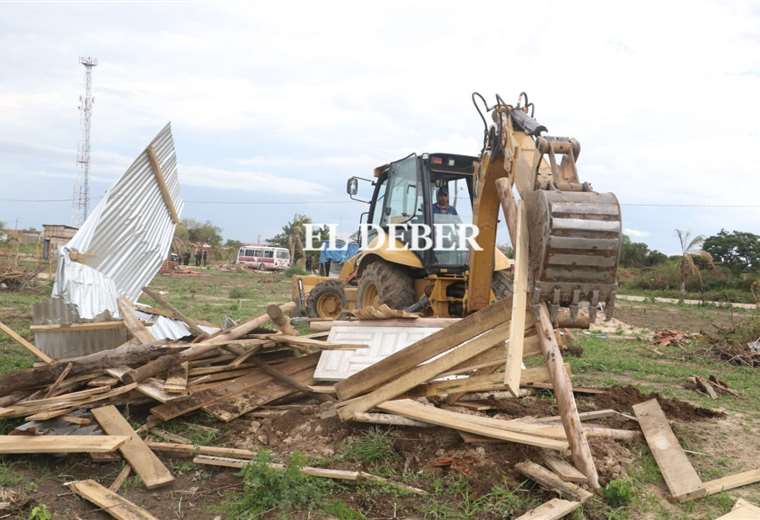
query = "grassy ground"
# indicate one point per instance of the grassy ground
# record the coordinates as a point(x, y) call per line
point(718, 447)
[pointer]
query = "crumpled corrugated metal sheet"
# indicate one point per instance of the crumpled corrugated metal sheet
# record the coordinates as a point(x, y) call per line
point(125, 239)
point(162, 327)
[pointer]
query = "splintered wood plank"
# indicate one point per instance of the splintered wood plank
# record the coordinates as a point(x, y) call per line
point(120, 478)
point(742, 510)
point(258, 395)
point(486, 382)
point(176, 380)
point(563, 391)
point(404, 360)
point(228, 391)
point(24, 343)
point(10, 444)
point(732, 481)
point(134, 325)
point(425, 372)
point(478, 425)
point(564, 469)
point(145, 463)
point(552, 510)
point(519, 300)
point(680, 476)
point(551, 481)
point(113, 504)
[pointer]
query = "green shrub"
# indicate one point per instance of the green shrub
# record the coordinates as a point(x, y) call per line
point(236, 293)
point(618, 492)
point(375, 446)
point(286, 491)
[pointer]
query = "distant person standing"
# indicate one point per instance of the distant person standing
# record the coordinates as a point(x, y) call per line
point(204, 257)
point(197, 257)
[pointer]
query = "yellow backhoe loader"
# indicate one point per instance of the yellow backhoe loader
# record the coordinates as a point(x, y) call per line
point(575, 233)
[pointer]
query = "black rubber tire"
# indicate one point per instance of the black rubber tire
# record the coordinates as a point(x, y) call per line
point(501, 284)
point(395, 286)
point(322, 289)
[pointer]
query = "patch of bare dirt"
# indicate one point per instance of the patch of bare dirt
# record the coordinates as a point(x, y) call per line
point(622, 398)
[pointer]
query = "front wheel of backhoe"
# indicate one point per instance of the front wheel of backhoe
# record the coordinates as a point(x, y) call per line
point(326, 300)
point(386, 283)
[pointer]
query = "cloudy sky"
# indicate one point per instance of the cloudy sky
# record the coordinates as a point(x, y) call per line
point(274, 105)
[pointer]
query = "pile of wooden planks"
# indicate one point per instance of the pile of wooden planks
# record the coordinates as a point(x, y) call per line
point(474, 355)
point(227, 374)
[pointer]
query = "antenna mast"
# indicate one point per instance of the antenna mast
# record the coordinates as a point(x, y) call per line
point(82, 202)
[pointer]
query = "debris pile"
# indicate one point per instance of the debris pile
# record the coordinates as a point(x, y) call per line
point(738, 344)
point(452, 376)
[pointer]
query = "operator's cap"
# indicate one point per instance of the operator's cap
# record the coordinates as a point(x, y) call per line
point(443, 190)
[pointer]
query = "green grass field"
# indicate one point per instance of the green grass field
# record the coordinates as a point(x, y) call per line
point(718, 447)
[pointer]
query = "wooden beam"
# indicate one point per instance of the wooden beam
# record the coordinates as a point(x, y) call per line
point(564, 469)
point(135, 326)
point(424, 373)
point(161, 182)
point(742, 510)
point(337, 474)
point(280, 320)
point(57, 383)
point(551, 481)
point(554, 509)
point(111, 503)
point(190, 450)
point(12, 444)
point(145, 463)
point(404, 360)
point(78, 327)
point(484, 426)
point(177, 314)
point(563, 391)
point(120, 478)
point(680, 476)
point(176, 380)
point(519, 300)
point(486, 382)
point(732, 481)
point(26, 344)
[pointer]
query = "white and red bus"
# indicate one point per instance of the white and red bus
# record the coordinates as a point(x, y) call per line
point(264, 257)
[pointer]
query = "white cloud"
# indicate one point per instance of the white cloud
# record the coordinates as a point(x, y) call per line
point(247, 181)
point(263, 101)
point(635, 233)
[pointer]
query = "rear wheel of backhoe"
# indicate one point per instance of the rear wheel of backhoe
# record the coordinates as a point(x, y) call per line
point(501, 284)
point(386, 283)
point(326, 300)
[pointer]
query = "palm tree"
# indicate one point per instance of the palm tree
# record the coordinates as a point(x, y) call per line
point(690, 249)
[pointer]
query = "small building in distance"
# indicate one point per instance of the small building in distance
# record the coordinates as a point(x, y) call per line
point(55, 236)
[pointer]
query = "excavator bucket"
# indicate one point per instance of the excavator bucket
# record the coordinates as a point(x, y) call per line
point(576, 238)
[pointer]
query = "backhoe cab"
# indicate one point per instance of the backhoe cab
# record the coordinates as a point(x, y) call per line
point(400, 271)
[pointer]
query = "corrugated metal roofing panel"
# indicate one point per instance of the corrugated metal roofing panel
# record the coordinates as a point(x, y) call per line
point(126, 238)
point(60, 345)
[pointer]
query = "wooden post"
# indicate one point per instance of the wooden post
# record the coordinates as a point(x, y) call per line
point(563, 392)
point(513, 365)
point(24, 343)
point(161, 182)
point(197, 331)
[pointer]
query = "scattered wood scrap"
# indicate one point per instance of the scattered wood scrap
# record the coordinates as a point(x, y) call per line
point(551, 481)
point(113, 504)
point(14, 444)
point(552, 510)
point(681, 478)
point(742, 510)
point(338, 474)
point(145, 463)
